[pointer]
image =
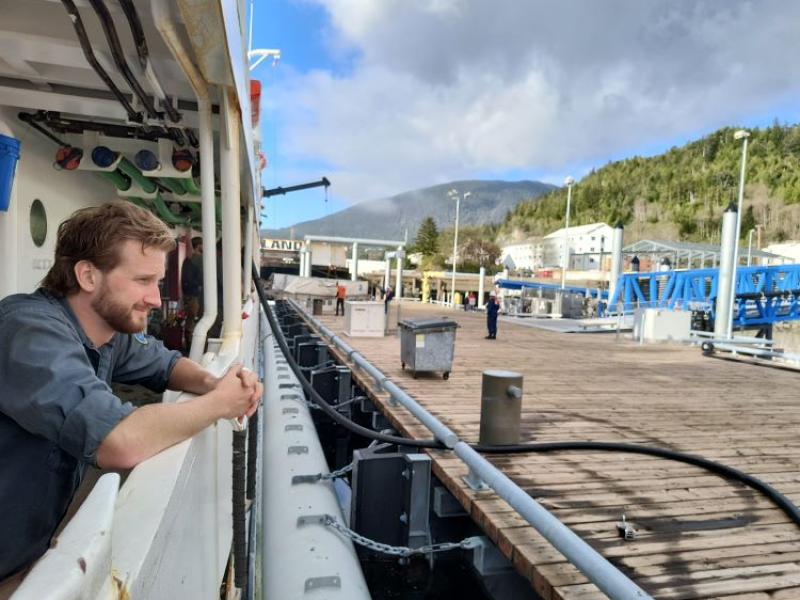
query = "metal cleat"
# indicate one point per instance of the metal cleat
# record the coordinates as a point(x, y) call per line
point(626, 530)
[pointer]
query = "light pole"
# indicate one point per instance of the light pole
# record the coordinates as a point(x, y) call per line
point(457, 196)
point(568, 182)
point(750, 247)
point(739, 135)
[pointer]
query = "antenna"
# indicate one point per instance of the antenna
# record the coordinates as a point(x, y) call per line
point(250, 34)
point(262, 54)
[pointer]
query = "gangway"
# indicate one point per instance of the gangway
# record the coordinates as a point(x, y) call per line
point(515, 284)
point(764, 294)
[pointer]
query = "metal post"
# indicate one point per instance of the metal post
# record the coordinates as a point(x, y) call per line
point(387, 276)
point(249, 235)
point(302, 270)
point(724, 307)
point(455, 248)
point(400, 254)
point(741, 134)
point(750, 247)
point(501, 407)
point(231, 220)
point(616, 260)
point(565, 259)
point(481, 277)
point(354, 263)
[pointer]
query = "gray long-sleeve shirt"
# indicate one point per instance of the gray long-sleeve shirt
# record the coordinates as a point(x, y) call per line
point(56, 407)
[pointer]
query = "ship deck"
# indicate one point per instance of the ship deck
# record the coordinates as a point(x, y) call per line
point(698, 535)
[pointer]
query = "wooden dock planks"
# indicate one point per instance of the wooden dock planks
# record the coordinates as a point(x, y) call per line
point(699, 535)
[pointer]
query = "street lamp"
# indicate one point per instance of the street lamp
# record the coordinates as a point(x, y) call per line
point(739, 135)
point(454, 194)
point(750, 247)
point(568, 182)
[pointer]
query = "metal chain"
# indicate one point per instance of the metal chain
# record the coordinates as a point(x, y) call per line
point(351, 401)
point(338, 473)
point(322, 365)
point(401, 551)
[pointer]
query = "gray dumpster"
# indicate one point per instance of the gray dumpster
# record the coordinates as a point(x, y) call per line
point(427, 345)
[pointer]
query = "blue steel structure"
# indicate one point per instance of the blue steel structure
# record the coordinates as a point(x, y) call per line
point(764, 295)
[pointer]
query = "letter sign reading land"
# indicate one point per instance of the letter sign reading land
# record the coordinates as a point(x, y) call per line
point(282, 245)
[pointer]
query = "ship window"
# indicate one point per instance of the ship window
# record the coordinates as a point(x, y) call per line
point(38, 222)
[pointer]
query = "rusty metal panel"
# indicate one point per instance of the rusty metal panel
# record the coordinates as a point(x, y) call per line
point(207, 32)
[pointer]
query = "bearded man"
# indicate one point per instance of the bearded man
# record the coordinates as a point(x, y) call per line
point(60, 349)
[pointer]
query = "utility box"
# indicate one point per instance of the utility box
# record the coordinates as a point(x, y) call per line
point(364, 319)
point(427, 345)
point(660, 325)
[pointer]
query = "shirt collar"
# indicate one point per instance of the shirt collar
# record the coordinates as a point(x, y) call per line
point(62, 302)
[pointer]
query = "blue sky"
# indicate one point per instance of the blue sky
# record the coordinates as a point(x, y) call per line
point(387, 96)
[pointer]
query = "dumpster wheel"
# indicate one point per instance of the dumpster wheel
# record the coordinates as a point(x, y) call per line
point(446, 375)
point(403, 365)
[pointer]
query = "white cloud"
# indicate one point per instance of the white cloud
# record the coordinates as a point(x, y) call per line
point(447, 89)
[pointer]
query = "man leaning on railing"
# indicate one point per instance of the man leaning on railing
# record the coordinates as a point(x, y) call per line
point(60, 349)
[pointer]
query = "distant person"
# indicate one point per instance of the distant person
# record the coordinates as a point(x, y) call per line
point(473, 300)
point(464, 301)
point(387, 297)
point(192, 288)
point(341, 294)
point(492, 308)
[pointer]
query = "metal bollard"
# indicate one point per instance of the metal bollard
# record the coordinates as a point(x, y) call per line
point(501, 407)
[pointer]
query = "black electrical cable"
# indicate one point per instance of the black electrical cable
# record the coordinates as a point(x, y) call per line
point(139, 39)
point(137, 32)
point(770, 492)
point(318, 399)
point(781, 501)
point(28, 118)
point(119, 56)
point(86, 46)
point(193, 141)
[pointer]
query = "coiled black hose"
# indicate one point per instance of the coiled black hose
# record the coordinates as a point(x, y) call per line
point(781, 501)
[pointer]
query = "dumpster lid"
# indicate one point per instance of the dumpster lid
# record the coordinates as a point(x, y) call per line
point(434, 323)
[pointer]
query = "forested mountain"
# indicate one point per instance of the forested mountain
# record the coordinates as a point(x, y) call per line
point(682, 193)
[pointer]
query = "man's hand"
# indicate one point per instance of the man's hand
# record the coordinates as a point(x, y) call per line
point(250, 380)
point(239, 392)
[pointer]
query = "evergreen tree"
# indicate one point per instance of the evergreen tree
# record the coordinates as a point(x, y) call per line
point(427, 240)
point(748, 221)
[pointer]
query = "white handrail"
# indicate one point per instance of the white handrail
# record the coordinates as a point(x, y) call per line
point(79, 564)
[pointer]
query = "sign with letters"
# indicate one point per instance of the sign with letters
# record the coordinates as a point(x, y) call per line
point(281, 245)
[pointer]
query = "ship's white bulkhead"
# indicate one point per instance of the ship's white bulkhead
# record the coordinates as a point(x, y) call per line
point(167, 532)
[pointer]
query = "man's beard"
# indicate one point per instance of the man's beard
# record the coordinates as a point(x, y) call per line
point(118, 316)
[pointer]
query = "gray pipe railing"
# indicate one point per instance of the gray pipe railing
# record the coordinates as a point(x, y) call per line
point(585, 558)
